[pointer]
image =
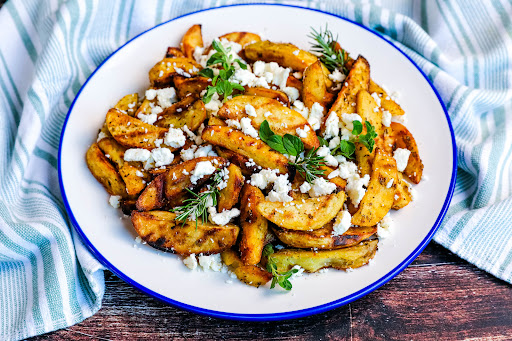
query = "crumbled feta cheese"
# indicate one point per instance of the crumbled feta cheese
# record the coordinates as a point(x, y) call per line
point(334, 142)
point(224, 173)
point(198, 52)
point(211, 262)
point(247, 127)
point(376, 98)
point(190, 262)
point(321, 187)
point(137, 154)
point(342, 223)
point(250, 111)
point(347, 169)
point(386, 118)
point(401, 156)
point(175, 138)
point(385, 227)
point(332, 125)
point(292, 93)
point(328, 158)
point(298, 75)
point(181, 72)
point(302, 132)
point(402, 119)
point(336, 76)
point(299, 273)
point(347, 119)
point(316, 116)
point(165, 97)
point(280, 190)
point(202, 168)
point(390, 183)
point(162, 156)
point(205, 150)
point(196, 138)
point(188, 154)
point(139, 173)
point(305, 187)
point(296, 52)
point(267, 114)
point(101, 136)
point(299, 107)
point(114, 201)
point(223, 217)
point(214, 105)
point(158, 142)
point(233, 123)
point(149, 118)
point(355, 188)
point(264, 178)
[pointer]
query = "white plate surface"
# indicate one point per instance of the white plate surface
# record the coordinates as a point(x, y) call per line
point(162, 274)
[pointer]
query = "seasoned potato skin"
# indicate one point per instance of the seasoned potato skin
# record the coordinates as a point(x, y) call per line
point(191, 116)
point(192, 38)
point(314, 88)
point(128, 103)
point(279, 96)
point(402, 195)
point(104, 171)
point(254, 225)
point(161, 75)
point(228, 196)
point(190, 86)
point(386, 102)
point(403, 138)
point(281, 53)
point(247, 273)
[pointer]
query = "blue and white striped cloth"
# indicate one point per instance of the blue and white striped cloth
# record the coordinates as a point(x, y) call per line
point(49, 47)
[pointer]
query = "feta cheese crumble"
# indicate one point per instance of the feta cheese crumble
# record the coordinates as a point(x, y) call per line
point(401, 156)
point(321, 187)
point(342, 223)
point(386, 118)
point(223, 217)
point(302, 132)
point(264, 178)
point(356, 188)
point(202, 168)
point(211, 262)
point(385, 227)
point(305, 187)
point(250, 111)
point(316, 116)
point(332, 128)
point(336, 76)
point(114, 201)
point(247, 127)
point(190, 262)
point(162, 156)
point(137, 154)
point(175, 138)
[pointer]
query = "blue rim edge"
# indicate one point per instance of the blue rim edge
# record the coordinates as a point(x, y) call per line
point(276, 316)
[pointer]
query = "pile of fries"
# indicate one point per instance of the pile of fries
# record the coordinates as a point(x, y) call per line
point(258, 156)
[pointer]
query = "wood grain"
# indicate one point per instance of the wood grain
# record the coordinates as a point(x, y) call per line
point(438, 297)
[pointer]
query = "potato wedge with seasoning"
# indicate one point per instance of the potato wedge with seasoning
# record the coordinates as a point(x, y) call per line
point(128, 104)
point(247, 146)
point(174, 52)
point(323, 237)
point(153, 196)
point(303, 215)
point(254, 225)
point(162, 73)
point(178, 117)
point(132, 132)
point(380, 194)
point(192, 86)
point(244, 163)
point(191, 39)
point(402, 196)
point(286, 55)
point(228, 196)
point(282, 120)
point(215, 121)
point(403, 138)
point(279, 96)
point(312, 261)
point(387, 103)
point(104, 171)
point(314, 88)
point(160, 230)
point(242, 38)
point(247, 273)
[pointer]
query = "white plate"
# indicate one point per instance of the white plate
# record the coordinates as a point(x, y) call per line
point(162, 274)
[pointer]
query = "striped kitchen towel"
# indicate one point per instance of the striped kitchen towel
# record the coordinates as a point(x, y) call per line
point(48, 48)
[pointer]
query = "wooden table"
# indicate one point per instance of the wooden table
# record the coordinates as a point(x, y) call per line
point(438, 297)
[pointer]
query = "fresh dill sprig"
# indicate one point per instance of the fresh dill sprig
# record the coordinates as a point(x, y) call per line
point(309, 165)
point(325, 45)
point(220, 82)
point(281, 278)
point(197, 206)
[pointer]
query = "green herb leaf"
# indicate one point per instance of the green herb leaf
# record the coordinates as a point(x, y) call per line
point(323, 142)
point(265, 132)
point(309, 165)
point(292, 144)
point(206, 72)
point(347, 148)
point(267, 250)
point(368, 139)
point(325, 45)
point(281, 278)
point(358, 127)
point(276, 142)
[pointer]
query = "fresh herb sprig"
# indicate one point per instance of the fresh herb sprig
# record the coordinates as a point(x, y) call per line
point(197, 206)
point(325, 45)
point(348, 147)
point(281, 278)
point(307, 163)
point(220, 83)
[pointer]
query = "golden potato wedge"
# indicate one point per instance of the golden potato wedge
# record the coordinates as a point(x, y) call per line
point(176, 109)
point(243, 162)
point(314, 87)
point(247, 146)
point(128, 104)
point(190, 86)
point(174, 52)
point(310, 214)
point(134, 183)
point(132, 132)
point(178, 117)
point(215, 121)
point(379, 196)
point(279, 96)
point(402, 195)
point(161, 231)
point(282, 120)
point(178, 177)
point(323, 238)
point(162, 73)
point(228, 196)
point(385, 100)
point(153, 196)
point(285, 55)
point(127, 206)
point(403, 138)
point(191, 39)
point(254, 225)
point(242, 38)
point(112, 150)
point(104, 171)
point(295, 193)
point(358, 79)
point(295, 83)
point(312, 261)
point(249, 274)
point(340, 182)
point(144, 108)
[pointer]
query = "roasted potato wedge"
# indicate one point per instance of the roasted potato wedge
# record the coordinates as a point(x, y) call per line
point(385, 100)
point(340, 182)
point(247, 146)
point(402, 195)
point(174, 52)
point(215, 121)
point(178, 176)
point(247, 273)
point(242, 38)
point(228, 196)
point(161, 231)
point(112, 150)
point(279, 96)
point(285, 55)
point(403, 138)
point(190, 86)
point(295, 83)
point(310, 214)
point(312, 261)
point(379, 196)
point(191, 39)
point(254, 225)
point(153, 196)
point(192, 117)
point(241, 161)
point(323, 237)
point(104, 171)
point(282, 120)
point(162, 73)
point(132, 132)
point(314, 88)
point(128, 104)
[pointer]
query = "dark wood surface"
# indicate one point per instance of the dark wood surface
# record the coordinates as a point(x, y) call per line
point(438, 297)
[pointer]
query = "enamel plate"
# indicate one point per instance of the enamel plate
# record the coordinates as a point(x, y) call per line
point(163, 275)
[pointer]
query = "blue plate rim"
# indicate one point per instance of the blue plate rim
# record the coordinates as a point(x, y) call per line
point(274, 316)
